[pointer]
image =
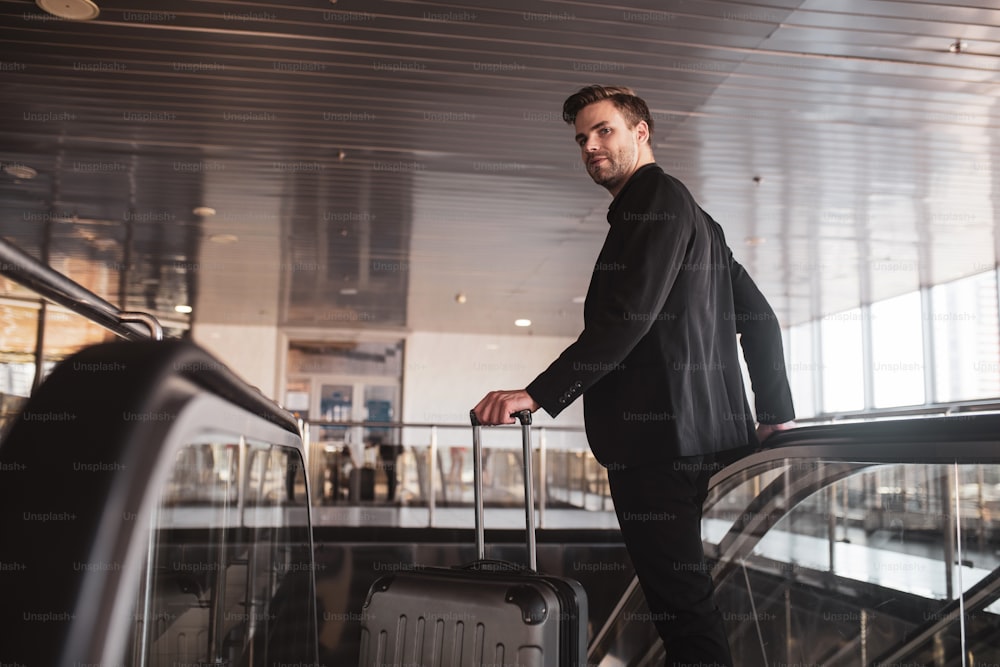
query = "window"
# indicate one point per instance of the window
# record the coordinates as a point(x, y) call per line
point(803, 369)
point(966, 339)
point(897, 351)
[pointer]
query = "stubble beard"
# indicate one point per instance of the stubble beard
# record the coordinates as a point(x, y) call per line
point(616, 168)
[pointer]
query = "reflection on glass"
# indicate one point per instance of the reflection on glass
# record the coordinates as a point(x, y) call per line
point(336, 405)
point(65, 333)
point(298, 397)
point(204, 474)
point(17, 358)
point(228, 576)
point(726, 505)
point(380, 406)
point(840, 565)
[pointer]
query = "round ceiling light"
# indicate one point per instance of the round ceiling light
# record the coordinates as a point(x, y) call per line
point(22, 171)
point(71, 10)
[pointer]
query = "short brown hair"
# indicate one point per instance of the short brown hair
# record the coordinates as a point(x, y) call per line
point(632, 106)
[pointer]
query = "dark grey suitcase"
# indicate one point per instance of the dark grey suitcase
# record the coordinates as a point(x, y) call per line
point(484, 613)
point(361, 484)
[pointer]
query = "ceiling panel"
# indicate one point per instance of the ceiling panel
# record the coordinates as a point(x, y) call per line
point(369, 161)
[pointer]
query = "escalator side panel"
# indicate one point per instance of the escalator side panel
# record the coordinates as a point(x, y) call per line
point(85, 462)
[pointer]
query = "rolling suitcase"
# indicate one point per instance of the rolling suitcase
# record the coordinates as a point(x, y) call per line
point(361, 484)
point(483, 614)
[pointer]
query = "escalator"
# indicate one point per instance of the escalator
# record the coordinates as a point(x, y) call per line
point(154, 512)
point(855, 544)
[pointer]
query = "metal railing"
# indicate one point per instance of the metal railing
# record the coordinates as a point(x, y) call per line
point(566, 474)
point(54, 286)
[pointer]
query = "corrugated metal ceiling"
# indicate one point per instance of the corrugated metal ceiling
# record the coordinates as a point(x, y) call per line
point(370, 160)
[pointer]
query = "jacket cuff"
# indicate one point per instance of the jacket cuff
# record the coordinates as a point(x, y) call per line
point(552, 400)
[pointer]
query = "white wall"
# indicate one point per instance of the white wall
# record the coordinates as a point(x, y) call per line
point(444, 376)
point(250, 351)
point(447, 374)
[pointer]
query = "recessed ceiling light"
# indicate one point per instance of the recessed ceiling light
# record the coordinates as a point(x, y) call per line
point(579, 299)
point(522, 323)
point(71, 10)
point(348, 291)
point(492, 347)
point(21, 171)
point(460, 298)
point(183, 308)
point(755, 240)
point(204, 211)
point(223, 238)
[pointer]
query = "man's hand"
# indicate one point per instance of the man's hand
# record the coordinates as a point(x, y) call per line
point(765, 431)
point(498, 407)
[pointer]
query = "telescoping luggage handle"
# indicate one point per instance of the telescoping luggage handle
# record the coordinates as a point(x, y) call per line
point(524, 416)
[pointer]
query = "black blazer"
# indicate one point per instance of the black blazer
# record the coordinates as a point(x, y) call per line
point(657, 361)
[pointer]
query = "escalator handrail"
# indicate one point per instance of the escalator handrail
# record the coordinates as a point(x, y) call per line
point(213, 376)
point(951, 439)
point(24, 269)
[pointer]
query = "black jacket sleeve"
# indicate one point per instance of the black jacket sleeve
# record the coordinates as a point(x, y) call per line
point(640, 260)
point(760, 337)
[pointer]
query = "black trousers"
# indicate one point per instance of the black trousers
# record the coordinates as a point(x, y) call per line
point(659, 509)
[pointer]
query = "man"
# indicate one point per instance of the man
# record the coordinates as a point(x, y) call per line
point(657, 363)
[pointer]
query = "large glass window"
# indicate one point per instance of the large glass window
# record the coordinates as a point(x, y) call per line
point(966, 338)
point(842, 361)
point(65, 333)
point(897, 351)
point(19, 324)
point(803, 369)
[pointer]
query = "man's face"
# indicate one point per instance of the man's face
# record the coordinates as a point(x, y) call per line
point(610, 149)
